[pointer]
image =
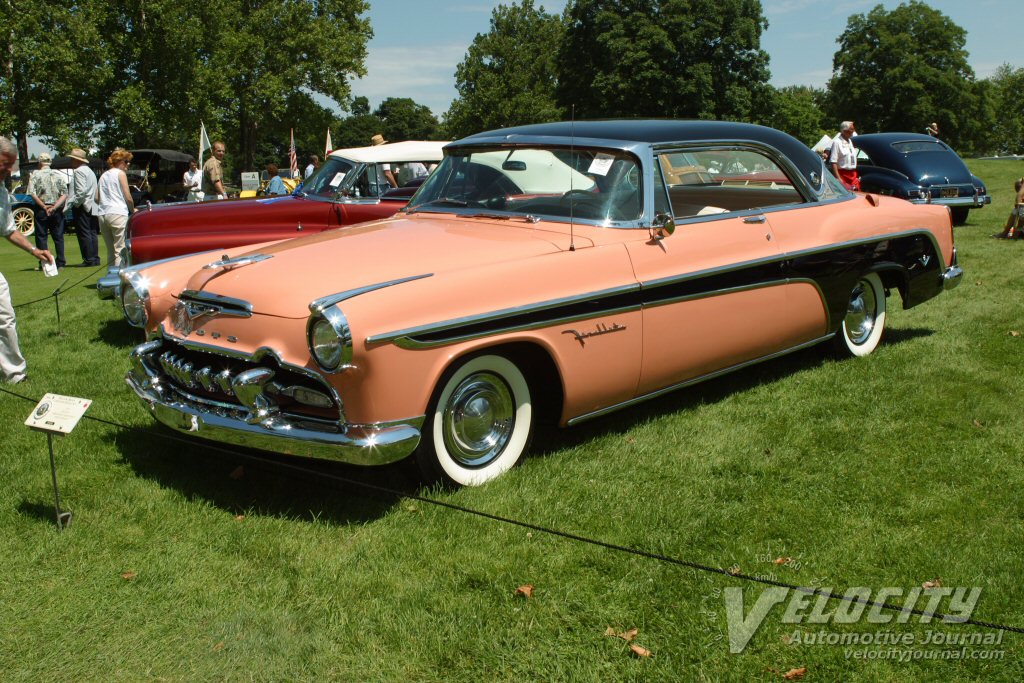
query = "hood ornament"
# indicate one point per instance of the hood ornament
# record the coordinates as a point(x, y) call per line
point(228, 263)
point(185, 315)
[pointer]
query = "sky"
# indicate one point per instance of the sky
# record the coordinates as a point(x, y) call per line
point(417, 44)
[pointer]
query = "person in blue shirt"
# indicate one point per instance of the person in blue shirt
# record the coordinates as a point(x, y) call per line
point(276, 185)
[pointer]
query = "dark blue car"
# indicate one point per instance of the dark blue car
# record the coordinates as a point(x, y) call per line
point(920, 169)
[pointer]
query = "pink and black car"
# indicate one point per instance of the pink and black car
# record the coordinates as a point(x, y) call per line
point(548, 272)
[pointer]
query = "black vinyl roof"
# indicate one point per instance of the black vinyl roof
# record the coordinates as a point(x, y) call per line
point(628, 132)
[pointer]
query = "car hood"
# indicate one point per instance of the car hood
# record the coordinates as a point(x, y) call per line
point(298, 271)
point(182, 215)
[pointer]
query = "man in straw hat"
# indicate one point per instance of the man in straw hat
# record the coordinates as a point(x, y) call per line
point(82, 201)
point(12, 363)
point(384, 174)
point(49, 190)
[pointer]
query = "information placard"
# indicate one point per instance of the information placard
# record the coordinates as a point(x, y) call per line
point(250, 181)
point(57, 414)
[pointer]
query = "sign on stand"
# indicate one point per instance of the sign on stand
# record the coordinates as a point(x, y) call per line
point(56, 414)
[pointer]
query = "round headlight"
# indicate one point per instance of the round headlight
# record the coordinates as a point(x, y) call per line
point(135, 301)
point(325, 345)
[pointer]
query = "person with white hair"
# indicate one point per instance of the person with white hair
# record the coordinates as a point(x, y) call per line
point(49, 190)
point(12, 363)
point(843, 157)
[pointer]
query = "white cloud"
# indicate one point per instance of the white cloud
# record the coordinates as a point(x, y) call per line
point(426, 73)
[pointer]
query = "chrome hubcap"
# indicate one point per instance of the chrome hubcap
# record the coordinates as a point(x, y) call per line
point(860, 313)
point(478, 419)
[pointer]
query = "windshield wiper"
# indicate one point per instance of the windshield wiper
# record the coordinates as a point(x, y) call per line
point(443, 201)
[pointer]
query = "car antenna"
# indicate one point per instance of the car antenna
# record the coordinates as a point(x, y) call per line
point(572, 162)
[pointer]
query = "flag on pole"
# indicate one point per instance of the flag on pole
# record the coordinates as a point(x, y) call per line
point(329, 146)
point(204, 142)
point(293, 162)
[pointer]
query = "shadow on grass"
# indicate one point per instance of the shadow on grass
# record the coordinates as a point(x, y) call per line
point(708, 392)
point(120, 334)
point(43, 512)
point(283, 486)
point(903, 334)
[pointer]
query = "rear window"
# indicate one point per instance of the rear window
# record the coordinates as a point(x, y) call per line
point(919, 146)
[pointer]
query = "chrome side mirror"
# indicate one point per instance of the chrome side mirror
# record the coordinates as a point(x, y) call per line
point(663, 226)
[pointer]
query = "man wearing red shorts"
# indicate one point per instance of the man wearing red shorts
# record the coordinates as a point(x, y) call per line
point(843, 158)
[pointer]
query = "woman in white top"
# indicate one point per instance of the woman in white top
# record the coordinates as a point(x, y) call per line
point(193, 181)
point(115, 204)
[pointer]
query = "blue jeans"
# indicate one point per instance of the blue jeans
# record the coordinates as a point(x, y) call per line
point(52, 225)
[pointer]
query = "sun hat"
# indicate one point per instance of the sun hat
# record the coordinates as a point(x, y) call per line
point(378, 139)
point(78, 154)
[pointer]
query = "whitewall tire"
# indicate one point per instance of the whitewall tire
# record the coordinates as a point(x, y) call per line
point(479, 424)
point(864, 323)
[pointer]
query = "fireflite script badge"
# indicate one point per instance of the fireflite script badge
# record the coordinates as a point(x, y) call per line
point(582, 337)
point(186, 314)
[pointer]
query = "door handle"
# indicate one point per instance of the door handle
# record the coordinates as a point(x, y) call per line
point(755, 219)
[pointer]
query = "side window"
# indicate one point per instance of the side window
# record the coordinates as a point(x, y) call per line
point(721, 181)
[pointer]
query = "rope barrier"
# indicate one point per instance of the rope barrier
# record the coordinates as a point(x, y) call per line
point(298, 469)
point(62, 288)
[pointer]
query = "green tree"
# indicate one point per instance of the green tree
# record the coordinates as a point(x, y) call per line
point(356, 131)
point(902, 69)
point(664, 58)
point(267, 49)
point(509, 74)
point(1008, 120)
point(405, 120)
point(797, 110)
point(50, 84)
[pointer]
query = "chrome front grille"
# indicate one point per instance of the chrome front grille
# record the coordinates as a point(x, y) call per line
point(240, 383)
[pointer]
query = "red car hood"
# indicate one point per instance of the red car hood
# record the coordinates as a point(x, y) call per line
point(185, 215)
point(304, 269)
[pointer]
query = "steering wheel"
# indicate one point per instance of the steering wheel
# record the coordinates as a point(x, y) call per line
point(580, 193)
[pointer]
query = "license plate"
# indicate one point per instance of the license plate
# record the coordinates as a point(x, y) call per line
point(950, 192)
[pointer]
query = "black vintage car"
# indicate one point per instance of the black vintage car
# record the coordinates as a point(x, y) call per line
point(155, 175)
point(920, 169)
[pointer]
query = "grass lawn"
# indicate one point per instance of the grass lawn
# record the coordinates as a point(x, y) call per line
point(891, 470)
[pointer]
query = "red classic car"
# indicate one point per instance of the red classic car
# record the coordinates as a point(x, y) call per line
point(350, 187)
point(556, 271)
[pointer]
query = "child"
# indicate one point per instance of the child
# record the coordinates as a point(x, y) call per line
point(1015, 222)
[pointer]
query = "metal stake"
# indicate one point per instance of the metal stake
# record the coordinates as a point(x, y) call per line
point(63, 517)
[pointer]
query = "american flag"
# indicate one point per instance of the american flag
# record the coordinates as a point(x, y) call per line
point(293, 162)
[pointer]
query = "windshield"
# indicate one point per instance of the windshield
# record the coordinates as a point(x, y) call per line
point(330, 178)
point(592, 184)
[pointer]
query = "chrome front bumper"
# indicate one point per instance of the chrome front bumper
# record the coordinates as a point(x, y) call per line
point(109, 286)
point(375, 444)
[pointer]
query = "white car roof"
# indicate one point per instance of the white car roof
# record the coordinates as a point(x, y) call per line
point(394, 152)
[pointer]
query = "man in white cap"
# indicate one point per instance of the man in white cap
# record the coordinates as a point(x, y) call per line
point(49, 190)
point(82, 203)
point(12, 363)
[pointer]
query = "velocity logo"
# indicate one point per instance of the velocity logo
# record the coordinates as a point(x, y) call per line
point(857, 604)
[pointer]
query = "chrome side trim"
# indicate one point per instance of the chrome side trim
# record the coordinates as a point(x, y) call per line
point(407, 342)
point(711, 375)
point(237, 261)
point(325, 302)
point(403, 338)
point(505, 313)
